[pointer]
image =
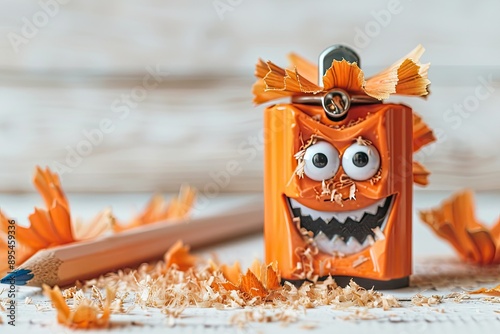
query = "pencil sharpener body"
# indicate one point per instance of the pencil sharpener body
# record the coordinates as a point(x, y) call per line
point(338, 195)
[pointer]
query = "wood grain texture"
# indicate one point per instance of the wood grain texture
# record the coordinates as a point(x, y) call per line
point(67, 78)
point(175, 135)
point(192, 36)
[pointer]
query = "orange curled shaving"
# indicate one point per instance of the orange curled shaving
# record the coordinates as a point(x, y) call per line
point(232, 273)
point(345, 75)
point(266, 274)
point(455, 222)
point(49, 187)
point(259, 280)
point(307, 69)
point(405, 77)
point(252, 286)
point(159, 209)
point(491, 292)
point(260, 283)
point(178, 255)
point(49, 227)
point(420, 174)
point(85, 315)
point(422, 134)
point(53, 225)
point(100, 224)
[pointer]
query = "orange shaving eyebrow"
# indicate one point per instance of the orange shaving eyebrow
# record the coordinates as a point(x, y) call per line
point(406, 75)
point(307, 69)
point(288, 80)
point(345, 75)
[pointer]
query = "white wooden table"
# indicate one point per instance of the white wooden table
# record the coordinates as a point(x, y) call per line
point(437, 272)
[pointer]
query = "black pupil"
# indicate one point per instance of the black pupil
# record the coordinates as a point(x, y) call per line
point(360, 159)
point(319, 160)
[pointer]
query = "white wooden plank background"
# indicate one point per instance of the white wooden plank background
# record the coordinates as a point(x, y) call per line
point(64, 79)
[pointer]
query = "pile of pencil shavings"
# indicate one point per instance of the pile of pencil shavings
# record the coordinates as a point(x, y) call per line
point(182, 281)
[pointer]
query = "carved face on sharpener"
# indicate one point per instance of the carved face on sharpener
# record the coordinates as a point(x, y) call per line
point(338, 194)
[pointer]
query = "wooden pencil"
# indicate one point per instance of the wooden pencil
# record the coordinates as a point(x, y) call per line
point(66, 264)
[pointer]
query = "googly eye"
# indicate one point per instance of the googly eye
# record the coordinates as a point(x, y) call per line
point(321, 161)
point(361, 162)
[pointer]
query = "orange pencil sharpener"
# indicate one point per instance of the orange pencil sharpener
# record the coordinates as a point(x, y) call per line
point(338, 176)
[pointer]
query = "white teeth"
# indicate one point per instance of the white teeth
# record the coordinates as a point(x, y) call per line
point(305, 211)
point(372, 209)
point(337, 245)
point(369, 240)
point(354, 245)
point(340, 216)
point(379, 235)
point(355, 215)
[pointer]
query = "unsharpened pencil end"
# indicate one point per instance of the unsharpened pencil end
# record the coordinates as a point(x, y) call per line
point(18, 277)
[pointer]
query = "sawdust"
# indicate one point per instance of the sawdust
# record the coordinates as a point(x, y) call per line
point(457, 297)
point(87, 312)
point(299, 156)
point(362, 314)
point(420, 300)
point(242, 319)
point(377, 177)
point(207, 284)
point(364, 142)
point(304, 268)
point(333, 187)
point(359, 261)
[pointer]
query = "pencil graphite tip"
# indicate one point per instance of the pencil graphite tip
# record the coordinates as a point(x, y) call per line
point(18, 277)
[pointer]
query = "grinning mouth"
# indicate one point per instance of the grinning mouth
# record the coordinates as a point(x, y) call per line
point(345, 232)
